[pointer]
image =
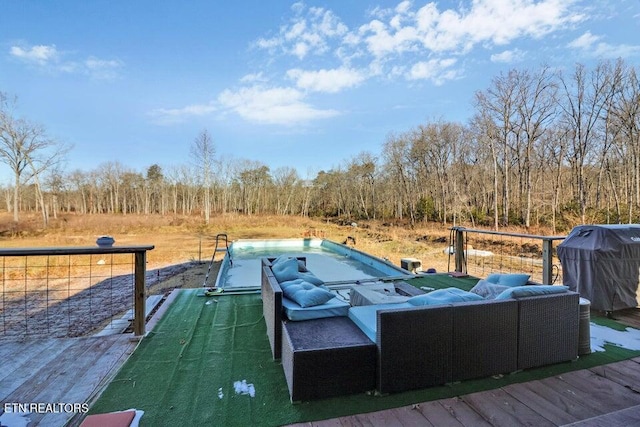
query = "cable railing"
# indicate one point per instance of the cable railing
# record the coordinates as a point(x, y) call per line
point(482, 252)
point(71, 291)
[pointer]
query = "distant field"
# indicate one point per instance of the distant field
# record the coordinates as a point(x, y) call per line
point(180, 239)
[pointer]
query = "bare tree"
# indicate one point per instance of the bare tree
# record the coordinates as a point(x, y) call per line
point(586, 98)
point(497, 106)
point(202, 154)
point(286, 182)
point(23, 145)
point(537, 106)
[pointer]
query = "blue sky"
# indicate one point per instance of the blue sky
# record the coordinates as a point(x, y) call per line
point(308, 84)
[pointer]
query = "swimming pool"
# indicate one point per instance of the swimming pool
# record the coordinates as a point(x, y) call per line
point(332, 262)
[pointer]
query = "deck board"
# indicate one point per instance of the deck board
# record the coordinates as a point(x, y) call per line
point(78, 382)
point(66, 370)
point(18, 355)
point(629, 316)
point(596, 397)
point(463, 413)
point(603, 393)
point(625, 417)
point(437, 414)
point(626, 373)
point(52, 378)
point(553, 404)
point(381, 418)
point(32, 364)
point(501, 409)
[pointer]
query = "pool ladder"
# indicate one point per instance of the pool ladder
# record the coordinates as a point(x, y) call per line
point(219, 238)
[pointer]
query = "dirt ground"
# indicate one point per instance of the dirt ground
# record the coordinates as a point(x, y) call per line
point(192, 276)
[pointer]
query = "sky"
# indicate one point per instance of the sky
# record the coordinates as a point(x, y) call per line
point(308, 85)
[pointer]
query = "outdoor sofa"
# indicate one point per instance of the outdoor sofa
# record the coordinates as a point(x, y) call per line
point(419, 346)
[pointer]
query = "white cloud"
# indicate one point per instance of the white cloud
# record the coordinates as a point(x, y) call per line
point(591, 45)
point(276, 105)
point(39, 54)
point(585, 41)
point(253, 78)
point(436, 70)
point(417, 43)
point(508, 56)
point(102, 69)
point(308, 32)
point(329, 81)
point(167, 116)
point(48, 57)
point(493, 22)
point(422, 35)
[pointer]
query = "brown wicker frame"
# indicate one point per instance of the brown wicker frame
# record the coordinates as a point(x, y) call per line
point(327, 357)
point(272, 307)
point(414, 348)
point(548, 329)
point(485, 339)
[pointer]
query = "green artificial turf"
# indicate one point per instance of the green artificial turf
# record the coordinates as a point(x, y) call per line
point(443, 280)
point(183, 372)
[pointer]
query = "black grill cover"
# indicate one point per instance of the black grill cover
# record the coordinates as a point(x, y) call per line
point(602, 263)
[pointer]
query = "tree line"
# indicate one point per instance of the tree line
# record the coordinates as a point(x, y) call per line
point(544, 147)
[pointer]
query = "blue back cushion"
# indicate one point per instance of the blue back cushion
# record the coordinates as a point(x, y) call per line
point(511, 279)
point(531, 290)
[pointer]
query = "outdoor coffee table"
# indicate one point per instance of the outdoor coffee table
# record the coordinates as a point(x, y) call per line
point(386, 293)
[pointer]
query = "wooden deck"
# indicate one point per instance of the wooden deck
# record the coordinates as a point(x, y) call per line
point(604, 396)
point(67, 370)
point(63, 370)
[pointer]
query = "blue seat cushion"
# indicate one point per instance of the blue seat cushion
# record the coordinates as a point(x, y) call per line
point(365, 317)
point(333, 308)
point(444, 296)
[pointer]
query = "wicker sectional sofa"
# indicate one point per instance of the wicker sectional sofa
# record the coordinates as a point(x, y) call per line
point(419, 347)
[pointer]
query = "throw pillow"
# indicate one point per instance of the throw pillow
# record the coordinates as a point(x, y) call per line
point(311, 278)
point(487, 290)
point(511, 279)
point(286, 284)
point(285, 270)
point(301, 264)
point(307, 295)
point(493, 278)
point(514, 279)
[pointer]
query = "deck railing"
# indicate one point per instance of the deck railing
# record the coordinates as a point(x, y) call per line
point(70, 291)
point(482, 252)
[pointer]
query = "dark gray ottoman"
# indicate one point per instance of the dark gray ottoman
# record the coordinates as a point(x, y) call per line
point(327, 357)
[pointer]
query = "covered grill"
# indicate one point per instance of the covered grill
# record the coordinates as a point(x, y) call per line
point(602, 263)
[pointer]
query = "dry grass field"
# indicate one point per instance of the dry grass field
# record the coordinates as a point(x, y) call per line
point(181, 239)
